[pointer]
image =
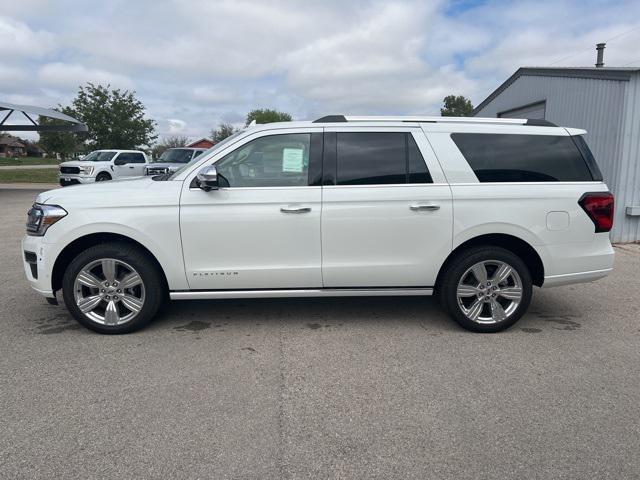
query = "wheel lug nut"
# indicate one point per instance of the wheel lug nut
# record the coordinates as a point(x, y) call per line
point(119, 291)
point(103, 290)
point(107, 297)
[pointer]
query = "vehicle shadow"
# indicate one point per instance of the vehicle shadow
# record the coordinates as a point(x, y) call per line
point(424, 311)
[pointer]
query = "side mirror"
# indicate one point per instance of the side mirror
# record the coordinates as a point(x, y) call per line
point(208, 178)
point(119, 161)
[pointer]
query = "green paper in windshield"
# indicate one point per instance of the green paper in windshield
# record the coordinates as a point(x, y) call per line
point(292, 160)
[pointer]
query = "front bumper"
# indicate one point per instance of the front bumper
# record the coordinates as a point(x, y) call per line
point(74, 179)
point(38, 265)
point(157, 171)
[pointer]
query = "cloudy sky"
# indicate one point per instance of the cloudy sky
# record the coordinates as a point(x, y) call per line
point(195, 63)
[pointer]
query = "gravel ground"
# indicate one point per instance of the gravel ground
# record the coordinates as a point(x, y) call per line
point(321, 388)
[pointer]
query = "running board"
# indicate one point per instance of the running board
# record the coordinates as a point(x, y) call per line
point(313, 292)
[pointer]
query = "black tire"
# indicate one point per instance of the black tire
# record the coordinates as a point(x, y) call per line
point(103, 177)
point(460, 265)
point(155, 291)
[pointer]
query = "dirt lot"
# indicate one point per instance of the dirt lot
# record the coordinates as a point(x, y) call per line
point(321, 388)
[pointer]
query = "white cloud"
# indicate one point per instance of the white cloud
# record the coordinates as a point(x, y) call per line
point(199, 62)
point(12, 78)
point(70, 75)
point(17, 39)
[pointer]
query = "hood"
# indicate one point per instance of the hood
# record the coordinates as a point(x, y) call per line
point(98, 192)
point(80, 163)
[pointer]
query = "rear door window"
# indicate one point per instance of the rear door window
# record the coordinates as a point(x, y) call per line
point(523, 158)
point(136, 158)
point(379, 158)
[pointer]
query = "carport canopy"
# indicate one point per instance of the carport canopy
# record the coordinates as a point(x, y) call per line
point(30, 111)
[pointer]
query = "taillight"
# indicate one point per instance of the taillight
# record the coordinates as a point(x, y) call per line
point(599, 207)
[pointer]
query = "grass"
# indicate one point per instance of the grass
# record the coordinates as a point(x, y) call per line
point(36, 175)
point(28, 161)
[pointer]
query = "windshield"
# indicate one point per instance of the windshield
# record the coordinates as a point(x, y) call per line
point(98, 157)
point(217, 146)
point(176, 155)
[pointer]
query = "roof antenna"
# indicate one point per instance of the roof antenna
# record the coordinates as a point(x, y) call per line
point(600, 50)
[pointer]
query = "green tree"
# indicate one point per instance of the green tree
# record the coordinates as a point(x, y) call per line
point(114, 117)
point(64, 144)
point(223, 131)
point(456, 106)
point(265, 115)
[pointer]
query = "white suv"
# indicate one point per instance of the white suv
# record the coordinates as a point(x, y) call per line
point(103, 165)
point(476, 211)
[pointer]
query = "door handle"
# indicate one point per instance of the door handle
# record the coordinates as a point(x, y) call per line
point(131, 166)
point(424, 207)
point(295, 209)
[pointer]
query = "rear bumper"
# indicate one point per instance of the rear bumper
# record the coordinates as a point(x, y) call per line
point(578, 262)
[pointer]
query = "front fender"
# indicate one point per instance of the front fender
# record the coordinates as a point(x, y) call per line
point(165, 247)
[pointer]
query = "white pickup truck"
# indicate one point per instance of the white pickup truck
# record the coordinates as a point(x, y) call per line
point(103, 165)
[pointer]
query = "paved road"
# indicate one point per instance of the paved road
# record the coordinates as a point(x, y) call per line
point(346, 388)
point(28, 167)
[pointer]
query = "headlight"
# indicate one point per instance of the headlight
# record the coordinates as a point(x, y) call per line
point(41, 217)
point(86, 170)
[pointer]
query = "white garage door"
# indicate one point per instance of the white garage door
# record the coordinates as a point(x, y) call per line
point(535, 111)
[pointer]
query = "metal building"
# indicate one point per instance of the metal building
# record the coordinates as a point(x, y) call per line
point(603, 101)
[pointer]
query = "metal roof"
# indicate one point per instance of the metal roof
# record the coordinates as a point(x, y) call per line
point(73, 125)
point(603, 73)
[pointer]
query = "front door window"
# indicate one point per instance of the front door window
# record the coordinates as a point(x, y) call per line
point(271, 161)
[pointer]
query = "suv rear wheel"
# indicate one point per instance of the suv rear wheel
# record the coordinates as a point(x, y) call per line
point(113, 288)
point(486, 289)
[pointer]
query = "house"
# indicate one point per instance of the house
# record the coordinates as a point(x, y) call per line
point(202, 143)
point(11, 146)
point(603, 101)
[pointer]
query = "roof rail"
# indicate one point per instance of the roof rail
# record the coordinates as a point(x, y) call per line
point(421, 119)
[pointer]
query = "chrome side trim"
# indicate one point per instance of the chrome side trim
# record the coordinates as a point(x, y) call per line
point(309, 292)
point(578, 277)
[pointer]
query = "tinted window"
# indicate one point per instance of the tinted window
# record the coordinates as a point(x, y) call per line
point(271, 161)
point(129, 157)
point(123, 158)
point(197, 152)
point(136, 158)
point(378, 158)
point(418, 172)
point(522, 158)
point(176, 155)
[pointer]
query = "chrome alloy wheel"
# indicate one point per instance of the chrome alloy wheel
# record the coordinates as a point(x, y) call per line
point(109, 291)
point(489, 292)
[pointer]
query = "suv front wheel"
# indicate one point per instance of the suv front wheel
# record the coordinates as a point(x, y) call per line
point(113, 288)
point(486, 289)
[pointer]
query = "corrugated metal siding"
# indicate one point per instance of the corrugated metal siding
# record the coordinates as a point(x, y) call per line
point(628, 191)
point(597, 106)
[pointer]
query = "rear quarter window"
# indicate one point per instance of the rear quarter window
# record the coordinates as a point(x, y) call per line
point(523, 158)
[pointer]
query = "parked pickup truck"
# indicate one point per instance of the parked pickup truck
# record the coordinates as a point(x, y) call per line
point(103, 165)
point(173, 159)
